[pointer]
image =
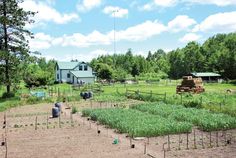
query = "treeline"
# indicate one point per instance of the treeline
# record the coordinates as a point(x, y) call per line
point(216, 54)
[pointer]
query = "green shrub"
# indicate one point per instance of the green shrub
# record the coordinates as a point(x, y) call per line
point(6, 95)
point(33, 100)
point(192, 104)
point(74, 109)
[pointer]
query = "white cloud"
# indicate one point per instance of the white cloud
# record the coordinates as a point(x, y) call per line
point(180, 22)
point(189, 37)
point(46, 13)
point(138, 32)
point(141, 31)
point(40, 41)
point(85, 56)
point(165, 3)
point(158, 3)
point(213, 2)
point(116, 11)
point(154, 4)
point(86, 5)
point(216, 23)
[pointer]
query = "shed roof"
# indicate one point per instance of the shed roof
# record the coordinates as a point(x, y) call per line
point(205, 74)
point(83, 74)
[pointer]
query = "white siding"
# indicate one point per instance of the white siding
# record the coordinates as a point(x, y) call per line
point(64, 76)
point(88, 79)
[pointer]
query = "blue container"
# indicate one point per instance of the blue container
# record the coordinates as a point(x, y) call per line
point(82, 94)
point(90, 94)
point(58, 105)
point(86, 95)
point(55, 112)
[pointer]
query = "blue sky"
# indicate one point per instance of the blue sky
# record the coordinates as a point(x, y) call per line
point(84, 29)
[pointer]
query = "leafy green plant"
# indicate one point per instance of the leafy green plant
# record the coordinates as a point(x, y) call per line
point(204, 119)
point(137, 123)
point(74, 109)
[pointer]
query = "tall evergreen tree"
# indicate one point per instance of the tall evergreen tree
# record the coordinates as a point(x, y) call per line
point(13, 39)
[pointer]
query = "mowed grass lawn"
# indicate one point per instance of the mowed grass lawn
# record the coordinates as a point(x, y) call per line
point(169, 89)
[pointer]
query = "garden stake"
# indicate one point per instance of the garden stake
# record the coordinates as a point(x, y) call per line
point(210, 140)
point(59, 121)
point(225, 138)
point(71, 119)
point(179, 140)
point(6, 154)
point(168, 142)
point(194, 139)
point(217, 144)
point(163, 146)
point(145, 148)
point(202, 141)
point(36, 120)
point(47, 120)
point(187, 141)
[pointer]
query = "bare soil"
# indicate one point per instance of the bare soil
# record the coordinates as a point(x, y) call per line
point(31, 133)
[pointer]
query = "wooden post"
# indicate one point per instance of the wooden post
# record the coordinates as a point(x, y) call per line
point(165, 97)
point(6, 154)
point(187, 141)
point(36, 122)
point(47, 120)
point(71, 120)
point(164, 150)
point(225, 138)
point(210, 140)
point(168, 142)
point(145, 148)
point(59, 120)
point(179, 140)
point(202, 141)
point(194, 139)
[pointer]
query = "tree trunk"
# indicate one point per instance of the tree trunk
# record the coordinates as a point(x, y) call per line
point(7, 77)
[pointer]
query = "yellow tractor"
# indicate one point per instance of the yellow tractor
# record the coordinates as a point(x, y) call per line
point(190, 84)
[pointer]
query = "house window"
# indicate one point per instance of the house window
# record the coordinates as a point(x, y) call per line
point(85, 67)
point(58, 76)
point(80, 67)
point(68, 75)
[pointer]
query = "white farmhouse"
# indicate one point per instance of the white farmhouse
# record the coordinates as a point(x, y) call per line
point(74, 72)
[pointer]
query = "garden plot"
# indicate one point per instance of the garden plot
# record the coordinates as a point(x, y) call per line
point(83, 140)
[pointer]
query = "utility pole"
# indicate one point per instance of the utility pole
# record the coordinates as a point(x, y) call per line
point(114, 12)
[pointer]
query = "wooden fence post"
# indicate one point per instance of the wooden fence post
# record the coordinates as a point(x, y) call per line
point(187, 141)
point(36, 122)
point(179, 140)
point(165, 97)
point(168, 142)
point(47, 120)
point(202, 141)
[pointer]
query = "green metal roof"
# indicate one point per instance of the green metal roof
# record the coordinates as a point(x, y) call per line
point(67, 65)
point(83, 74)
point(205, 74)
